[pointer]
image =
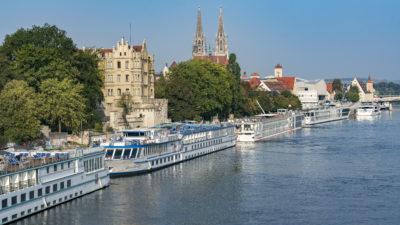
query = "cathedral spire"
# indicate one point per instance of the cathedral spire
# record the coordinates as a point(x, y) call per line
point(199, 45)
point(221, 44)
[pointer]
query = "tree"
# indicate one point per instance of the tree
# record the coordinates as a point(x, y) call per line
point(338, 95)
point(198, 87)
point(45, 52)
point(62, 103)
point(352, 95)
point(126, 104)
point(233, 69)
point(337, 85)
point(19, 119)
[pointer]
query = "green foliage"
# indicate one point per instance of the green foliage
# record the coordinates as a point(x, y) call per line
point(126, 104)
point(109, 129)
point(41, 53)
point(387, 88)
point(19, 119)
point(233, 69)
point(352, 94)
point(337, 85)
point(62, 104)
point(338, 95)
point(197, 88)
point(98, 127)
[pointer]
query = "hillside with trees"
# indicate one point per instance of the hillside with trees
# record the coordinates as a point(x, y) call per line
point(387, 88)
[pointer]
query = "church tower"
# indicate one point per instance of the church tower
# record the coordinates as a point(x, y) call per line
point(221, 44)
point(199, 45)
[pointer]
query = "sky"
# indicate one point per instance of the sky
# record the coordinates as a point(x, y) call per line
point(312, 39)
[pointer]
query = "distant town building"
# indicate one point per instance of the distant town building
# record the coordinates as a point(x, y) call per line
point(129, 70)
point(365, 95)
point(278, 71)
point(244, 76)
point(370, 85)
point(330, 92)
point(310, 93)
point(221, 52)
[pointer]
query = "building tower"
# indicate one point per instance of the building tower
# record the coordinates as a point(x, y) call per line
point(278, 71)
point(221, 43)
point(370, 85)
point(199, 45)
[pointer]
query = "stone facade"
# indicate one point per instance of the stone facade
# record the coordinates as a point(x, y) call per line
point(129, 71)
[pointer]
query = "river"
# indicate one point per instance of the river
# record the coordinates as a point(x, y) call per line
point(337, 173)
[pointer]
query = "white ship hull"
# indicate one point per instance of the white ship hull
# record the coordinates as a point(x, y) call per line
point(318, 116)
point(50, 188)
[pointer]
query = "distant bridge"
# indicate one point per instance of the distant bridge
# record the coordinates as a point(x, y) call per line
point(387, 98)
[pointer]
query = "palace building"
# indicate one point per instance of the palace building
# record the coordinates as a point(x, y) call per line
point(199, 51)
point(129, 73)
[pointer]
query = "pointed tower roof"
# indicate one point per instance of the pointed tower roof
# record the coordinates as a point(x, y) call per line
point(199, 26)
point(220, 24)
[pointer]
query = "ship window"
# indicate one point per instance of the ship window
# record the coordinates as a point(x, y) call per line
point(62, 185)
point(22, 213)
point(36, 208)
point(127, 152)
point(5, 219)
point(118, 154)
point(14, 200)
point(55, 168)
point(54, 187)
point(48, 169)
point(68, 183)
point(54, 202)
point(69, 164)
point(14, 216)
point(4, 203)
point(60, 200)
point(29, 210)
point(39, 192)
point(47, 189)
point(31, 194)
point(109, 153)
point(42, 206)
point(133, 153)
point(62, 166)
point(66, 197)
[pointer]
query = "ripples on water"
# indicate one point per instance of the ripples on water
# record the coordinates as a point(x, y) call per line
point(339, 173)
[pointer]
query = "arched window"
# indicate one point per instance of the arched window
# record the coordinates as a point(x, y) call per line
point(220, 45)
point(119, 91)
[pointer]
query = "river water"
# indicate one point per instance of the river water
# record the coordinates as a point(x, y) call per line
point(338, 173)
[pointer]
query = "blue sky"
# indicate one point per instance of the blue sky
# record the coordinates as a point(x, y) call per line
point(311, 39)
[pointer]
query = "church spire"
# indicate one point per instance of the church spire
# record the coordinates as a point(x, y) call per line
point(221, 44)
point(199, 45)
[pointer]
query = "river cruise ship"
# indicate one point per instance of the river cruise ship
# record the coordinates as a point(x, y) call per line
point(368, 110)
point(264, 126)
point(146, 149)
point(31, 182)
point(324, 115)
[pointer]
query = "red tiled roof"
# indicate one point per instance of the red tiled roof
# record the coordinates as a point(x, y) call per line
point(217, 59)
point(278, 66)
point(254, 82)
point(173, 64)
point(329, 87)
point(244, 76)
point(274, 85)
point(255, 74)
point(104, 51)
point(137, 48)
point(287, 82)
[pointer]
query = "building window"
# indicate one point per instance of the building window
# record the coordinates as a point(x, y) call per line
point(119, 91)
point(109, 65)
point(119, 65)
point(126, 64)
point(23, 197)
point(127, 91)
point(31, 194)
point(127, 78)
point(4, 203)
point(109, 78)
point(110, 92)
point(39, 192)
point(14, 200)
point(47, 189)
point(119, 78)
